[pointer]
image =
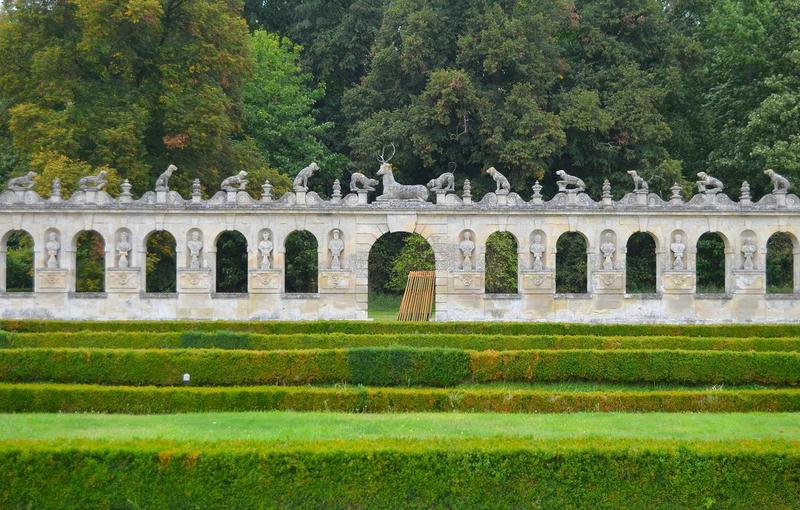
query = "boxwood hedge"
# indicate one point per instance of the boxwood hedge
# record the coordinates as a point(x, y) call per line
point(495, 473)
point(51, 398)
point(256, 341)
point(374, 328)
point(394, 366)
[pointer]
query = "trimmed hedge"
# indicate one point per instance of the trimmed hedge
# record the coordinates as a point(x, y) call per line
point(394, 366)
point(255, 341)
point(52, 398)
point(474, 474)
point(373, 328)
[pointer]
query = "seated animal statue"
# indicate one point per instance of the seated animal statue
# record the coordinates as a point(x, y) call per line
point(22, 183)
point(780, 183)
point(445, 182)
point(365, 183)
point(93, 182)
point(162, 183)
point(393, 190)
point(566, 180)
point(499, 179)
point(301, 181)
point(708, 184)
point(235, 182)
point(639, 184)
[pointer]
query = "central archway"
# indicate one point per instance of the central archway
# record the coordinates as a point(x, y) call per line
point(391, 258)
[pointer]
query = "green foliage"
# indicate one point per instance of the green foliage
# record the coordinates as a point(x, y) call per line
point(90, 262)
point(65, 398)
point(278, 111)
point(395, 366)
point(231, 263)
point(640, 264)
point(161, 264)
point(302, 260)
point(571, 270)
point(516, 473)
point(780, 264)
point(131, 85)
point(416, 255)
point(711, 264)
point(19, 262)
point(501, 263)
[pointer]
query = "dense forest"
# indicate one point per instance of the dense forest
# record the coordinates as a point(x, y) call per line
point(593, 87)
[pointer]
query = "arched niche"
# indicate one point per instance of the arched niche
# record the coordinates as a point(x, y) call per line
point(123, 249)
point(467, 251)
point(609, 251)
point(336, 250)
point(537, 248)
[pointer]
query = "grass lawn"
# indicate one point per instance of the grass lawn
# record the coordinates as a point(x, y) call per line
point(383, 307)
point(323, 426)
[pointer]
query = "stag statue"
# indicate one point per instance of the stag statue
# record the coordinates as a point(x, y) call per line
point(393, 190)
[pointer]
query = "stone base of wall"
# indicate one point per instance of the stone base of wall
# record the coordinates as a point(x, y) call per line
point(609, 308)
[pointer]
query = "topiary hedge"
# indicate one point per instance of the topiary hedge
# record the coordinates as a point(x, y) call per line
point(66, 398)
point(374, 328)
point(394, 366)
point(495, 473)
point(256, 341)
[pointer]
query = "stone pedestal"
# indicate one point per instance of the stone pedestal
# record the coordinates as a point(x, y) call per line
point(468, 282)
point(678, 282)
point(90, 196)
point(362, 196)
point(538, 282)
point(502, 198)
point(194, 281)
point(265, 281)
point(51, 280)
point(441, 196)
point(161, 196)
point(780, 199)
point(641, 197)
point(572, 196)
point(749, 282)
point(230, 196)
point(608, 282)
point(122, 281)
point(336, 282)
point(300, 196)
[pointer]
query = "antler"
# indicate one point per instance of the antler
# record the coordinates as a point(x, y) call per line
point(382, 158)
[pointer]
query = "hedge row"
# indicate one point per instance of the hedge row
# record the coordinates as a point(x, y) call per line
point(393, 366)
point(255, 341)
point(474, 474)
point(52, 398)
point(373, 328)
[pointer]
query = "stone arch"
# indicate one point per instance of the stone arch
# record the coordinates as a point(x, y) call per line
point(641, 265)
point(572, 268)
point(230, 264)
point(18, 250)
point(391, 256)
point(160, 250)
point(89, 248)
point(502, 263)
point(538, 248)
point(782, 263)
point(711, 263)
point(301, 274)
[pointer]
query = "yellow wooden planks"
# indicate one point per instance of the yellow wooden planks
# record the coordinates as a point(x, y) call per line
point(417, 304)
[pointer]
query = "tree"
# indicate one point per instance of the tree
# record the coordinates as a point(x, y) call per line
point(279, 104)
point(130, 85)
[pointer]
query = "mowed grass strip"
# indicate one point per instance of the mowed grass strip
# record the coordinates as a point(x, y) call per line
point(290, 426)
point(255, 341)
point(22, 398)
point(394, 366)
point(496, 473)
point(379, 328)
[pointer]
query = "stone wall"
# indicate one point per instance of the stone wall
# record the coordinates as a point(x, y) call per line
point(744, 226)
